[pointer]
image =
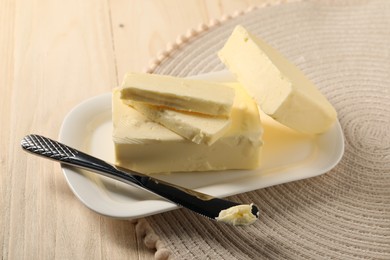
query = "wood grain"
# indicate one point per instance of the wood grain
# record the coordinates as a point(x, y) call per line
point(54, 54)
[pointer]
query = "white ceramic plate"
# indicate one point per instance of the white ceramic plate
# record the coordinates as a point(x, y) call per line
point(286, 156)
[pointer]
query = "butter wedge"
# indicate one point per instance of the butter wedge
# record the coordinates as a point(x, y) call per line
point(178, 93)
point(148, 147)
point(196, 127)
point(279, 87)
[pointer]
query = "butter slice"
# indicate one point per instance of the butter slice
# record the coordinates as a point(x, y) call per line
point(280, 88)
point(148, 147)
point(199, 128)
point(178, 93)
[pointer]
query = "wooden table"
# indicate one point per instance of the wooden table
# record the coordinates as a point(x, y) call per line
point(55, 54)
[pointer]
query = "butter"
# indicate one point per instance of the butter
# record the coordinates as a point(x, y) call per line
point(237, 215)
point(198, 128)
point(279, 87)
point(148, 147)
point(178, 93)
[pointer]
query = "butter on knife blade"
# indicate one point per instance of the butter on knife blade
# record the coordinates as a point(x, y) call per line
point(238, 215)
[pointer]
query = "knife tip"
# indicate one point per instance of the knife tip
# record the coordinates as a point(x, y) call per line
point(255, 210)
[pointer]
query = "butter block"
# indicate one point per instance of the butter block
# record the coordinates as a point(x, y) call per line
point(148, 147)
point(279, 87)
point(198, 128)
point(178, 93)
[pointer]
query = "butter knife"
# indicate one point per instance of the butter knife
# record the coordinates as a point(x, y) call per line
point(198, 202)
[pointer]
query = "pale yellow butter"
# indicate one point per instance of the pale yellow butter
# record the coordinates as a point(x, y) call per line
point(237, 215)
point(148, 147)
point(178, 93)
point(280, 88)
point(198, 128)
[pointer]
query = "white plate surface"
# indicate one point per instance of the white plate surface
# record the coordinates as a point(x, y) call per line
point(286, 156)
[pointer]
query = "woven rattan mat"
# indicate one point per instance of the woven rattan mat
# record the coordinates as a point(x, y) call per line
point(344, 47)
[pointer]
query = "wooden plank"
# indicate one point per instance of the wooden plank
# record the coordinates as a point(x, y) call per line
point(6, 80)
point(61, 54)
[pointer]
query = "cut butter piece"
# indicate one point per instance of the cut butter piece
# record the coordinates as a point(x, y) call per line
point(198, 128)
point(178, 93)
point(280, 88)
point(148, 147)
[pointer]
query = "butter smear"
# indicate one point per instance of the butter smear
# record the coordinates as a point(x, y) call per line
point(240, 215)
